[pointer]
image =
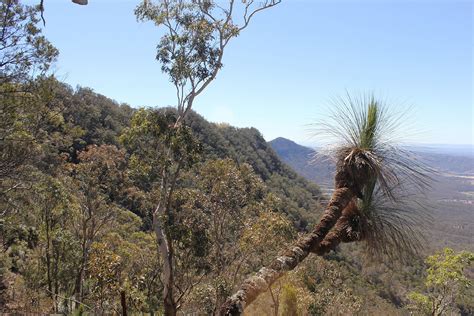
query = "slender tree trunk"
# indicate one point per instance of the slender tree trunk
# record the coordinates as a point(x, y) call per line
point(169, 301)
point(78, 286)
point(166, 256)
point(123, 302)
point(276, 301)
point(48, 259)
point(56, 279)
point(266, 276)
point(78, 290)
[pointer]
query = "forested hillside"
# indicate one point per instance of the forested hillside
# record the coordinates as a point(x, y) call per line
point(305, 161)
point(246, 145)
point(108, 209)
point(75, 228)
point(78, 162)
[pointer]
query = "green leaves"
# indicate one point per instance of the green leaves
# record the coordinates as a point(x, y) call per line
point(447, 268)
point(156, 142)
point(190, 51)
point(446, 282)
point(369, 126)
point(196, 34)
point(24, 51)
point(225, 225)
point(422, 303)
point(266, 234)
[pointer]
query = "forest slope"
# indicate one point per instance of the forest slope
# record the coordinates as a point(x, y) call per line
point(75, 133)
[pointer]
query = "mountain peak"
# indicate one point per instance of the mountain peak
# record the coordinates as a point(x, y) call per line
point(287, 148)
point(281, 141)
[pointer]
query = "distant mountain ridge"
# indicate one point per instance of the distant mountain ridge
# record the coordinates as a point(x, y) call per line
point(304, 161)
point(319, 170)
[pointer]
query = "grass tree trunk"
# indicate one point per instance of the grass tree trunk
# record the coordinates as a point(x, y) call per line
point(346, 230)
point(266, 276)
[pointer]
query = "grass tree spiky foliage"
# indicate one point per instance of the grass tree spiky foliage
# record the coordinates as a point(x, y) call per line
point(365, 135)
point(392, 227)
point(371, 201)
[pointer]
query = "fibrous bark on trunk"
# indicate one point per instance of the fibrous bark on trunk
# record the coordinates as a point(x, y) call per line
point(346, 230)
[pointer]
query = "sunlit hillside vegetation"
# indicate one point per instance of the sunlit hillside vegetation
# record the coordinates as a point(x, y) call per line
point(112, 210)
point(75, 162)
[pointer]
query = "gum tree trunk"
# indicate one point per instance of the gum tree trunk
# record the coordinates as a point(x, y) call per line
point(166, 255)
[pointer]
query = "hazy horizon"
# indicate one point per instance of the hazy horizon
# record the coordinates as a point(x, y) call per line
point(456, 149)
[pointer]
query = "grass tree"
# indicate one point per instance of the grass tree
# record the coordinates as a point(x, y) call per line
point(373, 198)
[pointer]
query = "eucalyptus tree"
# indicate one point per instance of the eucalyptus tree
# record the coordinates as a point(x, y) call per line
point(447, 284)
point(58, 252)
point(197, 33)
point(98, 179)
point(372, 199)
point(224, 226)
point(24, 51)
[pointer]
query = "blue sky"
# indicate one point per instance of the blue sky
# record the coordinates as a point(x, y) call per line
point(279, 74)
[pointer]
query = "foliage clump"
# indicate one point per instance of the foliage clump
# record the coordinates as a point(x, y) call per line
point(447, 284)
